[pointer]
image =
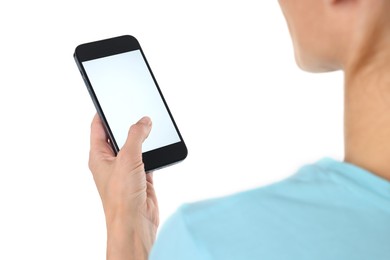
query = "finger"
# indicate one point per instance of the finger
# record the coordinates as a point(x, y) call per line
point(151, 192)
point(149, 177)
point(132, 149)
point(99, 140)
point(149, 186)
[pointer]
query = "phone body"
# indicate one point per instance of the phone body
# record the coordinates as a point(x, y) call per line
point(123, 90)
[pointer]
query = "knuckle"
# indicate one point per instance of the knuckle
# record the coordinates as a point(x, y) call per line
point(136, 129)
point(91, 162)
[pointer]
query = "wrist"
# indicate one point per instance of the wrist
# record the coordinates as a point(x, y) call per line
point(132, 238)
point(124, 243)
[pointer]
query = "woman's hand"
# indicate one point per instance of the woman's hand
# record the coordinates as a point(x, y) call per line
point(126, 191)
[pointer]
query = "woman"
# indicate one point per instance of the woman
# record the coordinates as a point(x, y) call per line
point(327, 210)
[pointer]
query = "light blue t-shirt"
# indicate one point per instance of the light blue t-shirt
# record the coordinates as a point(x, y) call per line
point(327, 210)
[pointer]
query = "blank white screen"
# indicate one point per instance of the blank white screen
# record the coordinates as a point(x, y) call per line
point(126, 92)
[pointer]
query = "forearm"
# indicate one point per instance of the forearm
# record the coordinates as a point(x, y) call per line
point(130, 242)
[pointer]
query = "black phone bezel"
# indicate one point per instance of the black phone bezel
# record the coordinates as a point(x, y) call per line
point(154, 159)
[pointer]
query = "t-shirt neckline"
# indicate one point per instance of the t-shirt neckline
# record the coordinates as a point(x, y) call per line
point(354, 175)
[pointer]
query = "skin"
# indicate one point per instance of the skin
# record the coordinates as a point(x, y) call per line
point(328, 35)
point(353, 36)
point(127, 192)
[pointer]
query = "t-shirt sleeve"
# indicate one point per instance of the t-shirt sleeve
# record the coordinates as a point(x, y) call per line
point(175, 241)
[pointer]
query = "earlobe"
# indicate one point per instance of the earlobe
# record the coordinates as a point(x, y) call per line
point(332, 2)
point(342, 1)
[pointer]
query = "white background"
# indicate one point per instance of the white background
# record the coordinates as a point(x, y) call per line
point(249, 116)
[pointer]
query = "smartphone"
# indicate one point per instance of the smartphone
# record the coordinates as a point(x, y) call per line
point(123, 90)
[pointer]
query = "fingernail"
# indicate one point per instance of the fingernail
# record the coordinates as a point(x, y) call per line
point(146, 121)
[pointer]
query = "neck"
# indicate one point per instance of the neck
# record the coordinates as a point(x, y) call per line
point(367, 115)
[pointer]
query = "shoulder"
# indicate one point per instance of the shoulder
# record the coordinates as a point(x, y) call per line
point(317, 202)
point(229, 225)
point(310, 181)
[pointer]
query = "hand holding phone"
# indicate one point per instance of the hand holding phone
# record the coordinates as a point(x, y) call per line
point(127, 193)
point(123, 89)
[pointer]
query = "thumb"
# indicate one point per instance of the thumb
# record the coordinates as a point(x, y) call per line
point(132, 149)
